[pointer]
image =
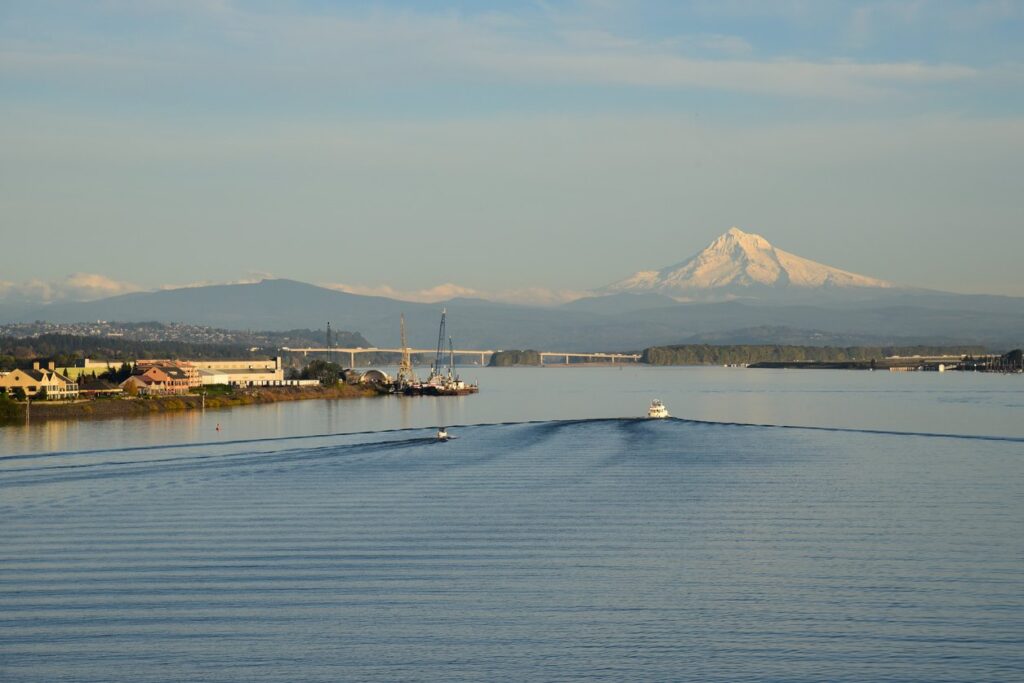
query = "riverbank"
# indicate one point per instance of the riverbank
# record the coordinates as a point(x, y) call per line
point(130, 407)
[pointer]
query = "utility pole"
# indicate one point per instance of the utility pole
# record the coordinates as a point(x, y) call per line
point(328, 341)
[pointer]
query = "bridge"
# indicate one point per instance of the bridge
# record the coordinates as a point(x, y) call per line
point(483, 354)
point(592, 357)
point(353, 352)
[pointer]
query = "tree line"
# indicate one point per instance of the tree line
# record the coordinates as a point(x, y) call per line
point(740, 354)
point(65, 349)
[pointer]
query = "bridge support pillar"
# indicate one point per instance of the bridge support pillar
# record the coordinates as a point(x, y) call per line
point(352, 359)
point(566, 359)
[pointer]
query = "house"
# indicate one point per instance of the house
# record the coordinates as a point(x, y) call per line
point(136, 385)
point(90, 387)
point(177, 367)
point(158, 379)
point(56, 385)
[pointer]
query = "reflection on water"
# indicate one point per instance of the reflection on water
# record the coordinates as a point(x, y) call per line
point(958, 403)
point(585, 550)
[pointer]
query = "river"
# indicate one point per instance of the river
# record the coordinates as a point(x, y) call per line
point(869, 529)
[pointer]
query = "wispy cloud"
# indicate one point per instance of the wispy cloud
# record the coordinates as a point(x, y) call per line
point(92, 286)
point(840, 79)
point(314, 51)
point(536, 296)
point(441, 292)
point(74, 287)
point(250, 278)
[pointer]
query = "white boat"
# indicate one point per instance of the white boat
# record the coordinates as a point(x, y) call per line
point(442, 434)
point(657, 409)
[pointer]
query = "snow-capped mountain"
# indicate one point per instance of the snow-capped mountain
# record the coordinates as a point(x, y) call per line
point(740, 263)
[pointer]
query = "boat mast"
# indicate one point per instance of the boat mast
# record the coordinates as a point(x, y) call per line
point(440, 343)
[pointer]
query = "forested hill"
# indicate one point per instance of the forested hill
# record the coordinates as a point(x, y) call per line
point(504, 359)
point(706, 354)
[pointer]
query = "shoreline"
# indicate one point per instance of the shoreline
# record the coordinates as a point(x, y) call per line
point(95, 409)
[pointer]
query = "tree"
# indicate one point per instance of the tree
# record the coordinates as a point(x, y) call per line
point(9, 410)
point(18, 393)
point(121, 374)
point(42, 394)
point(327, 373)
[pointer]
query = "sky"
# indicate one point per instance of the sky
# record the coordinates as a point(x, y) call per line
point(524, 151)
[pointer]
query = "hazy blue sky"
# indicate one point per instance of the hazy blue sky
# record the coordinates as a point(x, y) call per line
point(505, 146)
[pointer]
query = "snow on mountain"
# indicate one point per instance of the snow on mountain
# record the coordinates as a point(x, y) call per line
point(739, 261)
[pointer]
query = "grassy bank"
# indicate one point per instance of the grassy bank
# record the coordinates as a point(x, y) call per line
point(128, 407)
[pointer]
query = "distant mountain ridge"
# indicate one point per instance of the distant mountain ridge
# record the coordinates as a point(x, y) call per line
point(739, 289)
point(742, 264)
point(625, 322)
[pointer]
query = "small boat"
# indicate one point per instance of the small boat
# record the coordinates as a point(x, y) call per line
point(657, 410)
point(442, 434)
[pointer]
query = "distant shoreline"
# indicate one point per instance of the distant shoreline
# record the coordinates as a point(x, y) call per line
point(138, 407)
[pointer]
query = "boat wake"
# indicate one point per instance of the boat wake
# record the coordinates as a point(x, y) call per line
point(553, 424)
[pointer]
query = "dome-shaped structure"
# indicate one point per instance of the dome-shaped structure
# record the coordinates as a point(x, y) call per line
point(374, 377)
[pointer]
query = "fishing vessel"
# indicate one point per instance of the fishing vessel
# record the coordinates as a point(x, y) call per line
point(441, 381)
point(657, 410)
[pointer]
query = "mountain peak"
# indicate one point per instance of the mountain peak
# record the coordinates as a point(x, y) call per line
point(739, 262)
point(738, 234)
point(736, 238)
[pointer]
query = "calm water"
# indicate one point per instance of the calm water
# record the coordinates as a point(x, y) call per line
point(585, 546)
point(957, 403)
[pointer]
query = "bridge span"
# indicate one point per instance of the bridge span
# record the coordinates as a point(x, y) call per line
point(483, 354)
point(607, 357)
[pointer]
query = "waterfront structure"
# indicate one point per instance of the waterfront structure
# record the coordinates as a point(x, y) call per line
point(171, 378)
point(88, 366)
point(243, 373)
point(250, 372)
point(136, 385)
point(32, 382)
point(175, 368)
point(157, 380)
point(91, 387)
